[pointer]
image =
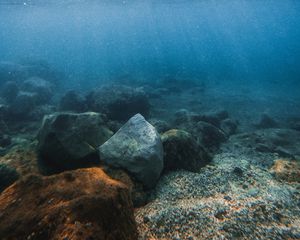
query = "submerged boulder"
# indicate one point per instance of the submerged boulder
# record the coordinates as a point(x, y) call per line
point(137, 148)
point(208, 135)
point(73, 101)
point(69, 140)
point(181, 151)
point(119, 102)
point(210, 130)
point(42, 88)
point(80, 204)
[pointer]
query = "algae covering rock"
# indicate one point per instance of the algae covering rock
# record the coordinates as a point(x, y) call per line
point(137, 148)
point(79, 204)
point(209, 135)
point(69, 140)
point(181, 151)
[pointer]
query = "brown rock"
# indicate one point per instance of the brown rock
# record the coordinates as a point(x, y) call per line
point(79, 204)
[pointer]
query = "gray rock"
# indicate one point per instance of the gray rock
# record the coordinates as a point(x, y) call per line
point(204, 128)
point(68, 140)
point(137, 148)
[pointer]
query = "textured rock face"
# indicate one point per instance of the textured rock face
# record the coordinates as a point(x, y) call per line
point(137, 148)
point(181, 151)
point(80, 204)
point(66, 139)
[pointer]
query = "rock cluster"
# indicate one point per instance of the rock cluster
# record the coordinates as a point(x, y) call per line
point(25, 88)
point(210, 130)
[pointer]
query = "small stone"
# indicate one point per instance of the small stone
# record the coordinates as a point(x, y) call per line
point(227, 198)
point(253, 192)
point(238, 171)
point(146, 219)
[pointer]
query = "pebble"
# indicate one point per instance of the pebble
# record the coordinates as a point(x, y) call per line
point(227, 198)
point(253, 192)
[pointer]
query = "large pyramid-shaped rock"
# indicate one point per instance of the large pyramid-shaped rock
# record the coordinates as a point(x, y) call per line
point(137, 148)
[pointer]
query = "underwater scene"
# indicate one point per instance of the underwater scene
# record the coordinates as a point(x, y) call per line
point(149, 119)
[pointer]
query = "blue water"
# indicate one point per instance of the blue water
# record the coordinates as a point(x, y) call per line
point(229, 44)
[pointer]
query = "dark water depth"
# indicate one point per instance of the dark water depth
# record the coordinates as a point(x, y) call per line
point(233, 45)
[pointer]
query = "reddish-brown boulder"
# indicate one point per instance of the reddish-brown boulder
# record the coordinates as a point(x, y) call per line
point(79, 204)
